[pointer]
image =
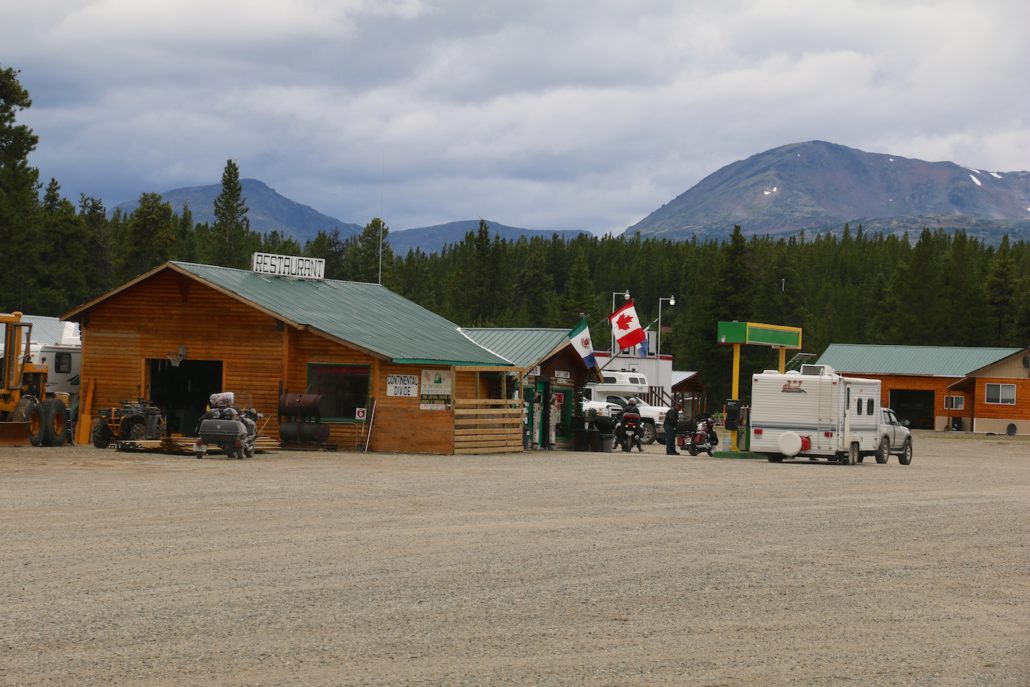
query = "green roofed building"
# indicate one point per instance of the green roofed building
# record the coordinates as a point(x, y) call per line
point(942, 387)
point(553, 370)
point(392, 375)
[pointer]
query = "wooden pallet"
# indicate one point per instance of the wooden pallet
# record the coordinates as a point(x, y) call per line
point(184, 445)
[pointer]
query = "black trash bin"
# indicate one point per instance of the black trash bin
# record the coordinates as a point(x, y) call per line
point(594, 439)
point(579, 439)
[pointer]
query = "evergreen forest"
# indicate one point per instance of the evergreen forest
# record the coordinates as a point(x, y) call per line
point(939, 288)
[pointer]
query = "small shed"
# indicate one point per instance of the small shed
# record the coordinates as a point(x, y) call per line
point(940, 387)
point(392, 375)
point(552, 372)
point(689, 389)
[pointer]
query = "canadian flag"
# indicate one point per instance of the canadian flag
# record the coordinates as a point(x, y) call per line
point(626, 329)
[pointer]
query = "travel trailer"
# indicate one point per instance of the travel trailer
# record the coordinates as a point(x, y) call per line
point(817, 413)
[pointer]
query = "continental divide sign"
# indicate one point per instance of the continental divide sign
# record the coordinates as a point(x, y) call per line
point(289, 266)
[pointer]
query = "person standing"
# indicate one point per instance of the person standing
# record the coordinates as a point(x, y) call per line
point(671, 420)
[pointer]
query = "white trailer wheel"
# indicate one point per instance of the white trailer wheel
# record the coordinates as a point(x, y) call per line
point(852, 454)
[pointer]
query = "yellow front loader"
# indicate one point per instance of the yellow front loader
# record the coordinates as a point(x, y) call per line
point(26, 414)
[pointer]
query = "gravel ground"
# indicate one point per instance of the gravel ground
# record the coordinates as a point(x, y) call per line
point(555, 568)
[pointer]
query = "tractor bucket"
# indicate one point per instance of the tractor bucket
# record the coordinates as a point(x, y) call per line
point(15, 434)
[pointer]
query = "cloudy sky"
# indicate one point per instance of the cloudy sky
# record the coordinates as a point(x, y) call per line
point(546, 114)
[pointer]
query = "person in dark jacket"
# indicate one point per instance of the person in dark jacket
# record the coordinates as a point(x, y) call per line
point(671, 420)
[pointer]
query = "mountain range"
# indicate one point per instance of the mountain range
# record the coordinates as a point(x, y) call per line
point(268, 211)
point(813, 187)
point(819, 186)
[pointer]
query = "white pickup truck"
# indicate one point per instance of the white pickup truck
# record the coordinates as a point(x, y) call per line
point(817, 413)
point(604, 403)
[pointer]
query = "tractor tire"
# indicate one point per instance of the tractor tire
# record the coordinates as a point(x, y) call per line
point(55, 422)
point(28, 410)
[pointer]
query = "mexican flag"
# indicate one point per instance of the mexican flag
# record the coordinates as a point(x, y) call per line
point(580, 337)
point(626, 329)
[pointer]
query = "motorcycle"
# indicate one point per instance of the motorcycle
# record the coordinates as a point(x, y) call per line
point(698, 436)
point(231, 428)
point(628, 431)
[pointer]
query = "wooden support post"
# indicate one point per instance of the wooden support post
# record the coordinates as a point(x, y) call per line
point(783, 360)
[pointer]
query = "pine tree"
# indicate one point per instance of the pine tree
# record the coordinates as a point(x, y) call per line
point(62, 278)
point(100, 274)
point(1000, 292)
point(19, 201)
point(231, 230)
point(150, 237)
point(369, 256)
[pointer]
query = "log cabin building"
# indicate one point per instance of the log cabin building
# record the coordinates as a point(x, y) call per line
point(984, 390)
point(392, 375)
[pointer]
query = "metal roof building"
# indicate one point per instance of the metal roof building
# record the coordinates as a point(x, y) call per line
point(933, 361)
point(945, 387)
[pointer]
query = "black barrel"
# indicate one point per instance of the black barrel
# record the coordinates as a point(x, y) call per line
point(299, 405)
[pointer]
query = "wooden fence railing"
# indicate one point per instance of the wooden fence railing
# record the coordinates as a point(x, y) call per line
point(487, 425)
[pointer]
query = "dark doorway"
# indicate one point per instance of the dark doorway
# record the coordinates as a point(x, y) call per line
point(914, 406)
point(182, 391)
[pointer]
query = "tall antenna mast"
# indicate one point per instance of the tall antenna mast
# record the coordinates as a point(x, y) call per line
point(382, 171)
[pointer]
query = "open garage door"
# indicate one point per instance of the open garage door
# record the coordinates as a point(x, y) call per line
point(914, 406)
point(182, 391)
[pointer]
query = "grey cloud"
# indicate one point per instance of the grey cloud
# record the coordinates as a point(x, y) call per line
point(541, 114)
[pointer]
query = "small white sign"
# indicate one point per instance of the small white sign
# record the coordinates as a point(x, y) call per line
point(564, 375)
point(289, 266)
point(402, 385)
point(359, 413)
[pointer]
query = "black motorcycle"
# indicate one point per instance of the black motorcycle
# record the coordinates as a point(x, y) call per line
point(231, 428)
point(629, 431)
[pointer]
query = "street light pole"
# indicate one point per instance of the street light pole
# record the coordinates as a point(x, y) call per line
point(625, 297)
point(658, 353)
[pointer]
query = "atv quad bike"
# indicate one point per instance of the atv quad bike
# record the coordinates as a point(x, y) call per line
point(134, 421)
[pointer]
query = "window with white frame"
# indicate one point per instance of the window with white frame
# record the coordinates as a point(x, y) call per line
point(954, 402)
point(1003, 394)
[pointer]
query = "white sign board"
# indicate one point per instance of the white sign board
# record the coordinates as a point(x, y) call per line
point(289, 266)
point(437, 389)
point(402, 385)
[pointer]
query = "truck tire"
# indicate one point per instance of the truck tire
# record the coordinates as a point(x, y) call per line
point(774, 457)
point(647, 433)
point(55, 422)
point(883, 451)
point(905, 457)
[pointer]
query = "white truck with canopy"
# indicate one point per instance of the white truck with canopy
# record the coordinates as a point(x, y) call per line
point(817, 413)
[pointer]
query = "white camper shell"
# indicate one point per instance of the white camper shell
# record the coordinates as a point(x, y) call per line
point(818, 413)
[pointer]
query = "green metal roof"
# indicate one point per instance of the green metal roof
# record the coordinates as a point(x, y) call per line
point(524, 347)
point(934, 361)
point(370, 316)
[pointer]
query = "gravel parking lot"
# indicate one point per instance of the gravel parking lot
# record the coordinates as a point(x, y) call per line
point(555, 568)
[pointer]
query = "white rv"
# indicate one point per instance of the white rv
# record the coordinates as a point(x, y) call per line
point(817, 413)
